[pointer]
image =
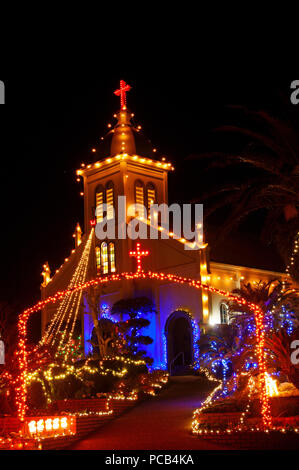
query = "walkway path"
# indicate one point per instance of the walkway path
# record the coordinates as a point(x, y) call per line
point(162, 422)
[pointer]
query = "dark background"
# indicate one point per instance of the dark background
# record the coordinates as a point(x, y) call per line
point(51, 120)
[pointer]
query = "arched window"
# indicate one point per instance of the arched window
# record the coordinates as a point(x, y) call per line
point(223, 313)
point(99, 203)
point(139, 198)
point(112, 257)
point(98, 259)
point(150, 197)
point(104, 258)
point(110, 200)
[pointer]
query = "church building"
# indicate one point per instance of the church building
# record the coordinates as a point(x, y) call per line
point(127, 165)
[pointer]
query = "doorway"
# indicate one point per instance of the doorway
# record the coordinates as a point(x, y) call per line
point(179, 337)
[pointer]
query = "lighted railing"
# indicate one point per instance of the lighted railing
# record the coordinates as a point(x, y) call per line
point(174, 359)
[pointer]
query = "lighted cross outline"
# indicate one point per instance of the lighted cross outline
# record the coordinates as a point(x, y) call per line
point(123, 88)
point(138, 255)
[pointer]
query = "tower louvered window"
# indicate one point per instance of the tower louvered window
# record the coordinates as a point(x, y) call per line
point(110, 200)
point(150, 196)
point(99, 203)
point(139, 198)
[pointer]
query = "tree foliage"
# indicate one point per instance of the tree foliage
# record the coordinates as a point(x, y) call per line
point(131, 328)
point(266, 169)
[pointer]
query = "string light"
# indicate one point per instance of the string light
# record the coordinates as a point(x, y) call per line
point(136, 158)
point(71, 302)
point(138, 255)
point(21, 392)
point(122, 92)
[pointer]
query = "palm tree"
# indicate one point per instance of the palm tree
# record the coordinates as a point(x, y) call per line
point(270, 159)
point(270, 297)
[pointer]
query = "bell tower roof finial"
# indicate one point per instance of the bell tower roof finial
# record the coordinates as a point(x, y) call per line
point(123, 140)
point(123, 89)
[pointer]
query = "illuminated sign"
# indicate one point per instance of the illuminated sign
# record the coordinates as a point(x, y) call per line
point(49, 426)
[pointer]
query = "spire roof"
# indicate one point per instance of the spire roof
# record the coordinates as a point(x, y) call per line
point(125, 140)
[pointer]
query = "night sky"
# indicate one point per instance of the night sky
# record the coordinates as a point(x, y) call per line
point(52, 120)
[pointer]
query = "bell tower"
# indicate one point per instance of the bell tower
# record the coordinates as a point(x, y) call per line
point(126, 167)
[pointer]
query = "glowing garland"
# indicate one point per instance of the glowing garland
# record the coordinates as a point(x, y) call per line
point(21, 392)
point(209, 400)
point(77, 300)
point(79, 276)
point(138, 255)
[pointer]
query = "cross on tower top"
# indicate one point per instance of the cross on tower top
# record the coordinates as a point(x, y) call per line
point(123, 88)
point(138, 255)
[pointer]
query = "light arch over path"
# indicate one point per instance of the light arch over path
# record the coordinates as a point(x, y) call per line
point(21, 392)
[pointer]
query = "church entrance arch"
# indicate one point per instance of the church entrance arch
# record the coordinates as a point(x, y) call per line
point(179, 340)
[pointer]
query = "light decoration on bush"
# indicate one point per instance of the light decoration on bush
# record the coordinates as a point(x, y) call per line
point(204, 406)
point(81, 414)
point(120, 396)
point(105, 313)
point(196, 335)
point(246, 411)
point(214, 395)
point(21, 392)
point(126, 360)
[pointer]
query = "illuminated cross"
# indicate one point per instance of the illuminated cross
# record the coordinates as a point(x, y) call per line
point(122, 93)
point(138, 255)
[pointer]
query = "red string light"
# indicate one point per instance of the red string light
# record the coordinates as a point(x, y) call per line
point(21, 393)
point(138, 255)
point(123, 89)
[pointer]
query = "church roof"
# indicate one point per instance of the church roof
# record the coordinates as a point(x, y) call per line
point(134, 140)
point(126, 141)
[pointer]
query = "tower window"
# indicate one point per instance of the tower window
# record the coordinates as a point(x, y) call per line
point(223, 313)
point(110, 200)
point(98, 259)
point(112, 257)
point(99, 203)
point(139, 198)
point(150, 197)
point(104, 258)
